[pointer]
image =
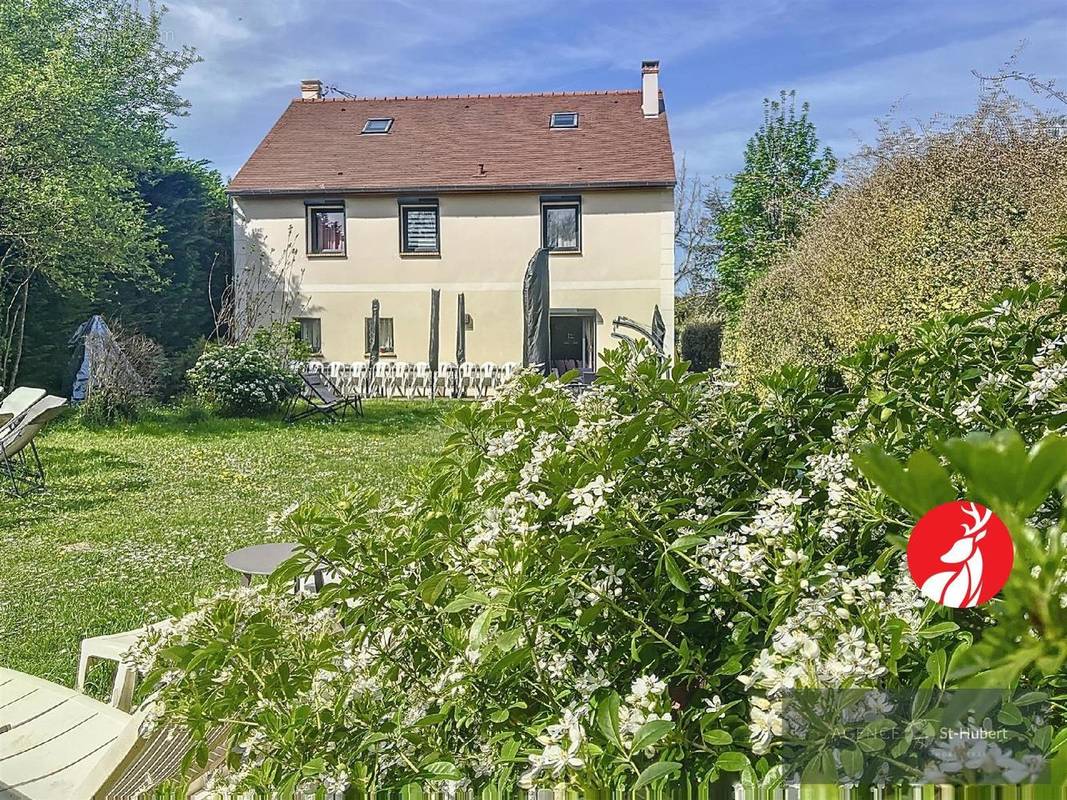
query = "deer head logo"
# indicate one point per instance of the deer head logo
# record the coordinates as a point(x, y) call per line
point(960, 586)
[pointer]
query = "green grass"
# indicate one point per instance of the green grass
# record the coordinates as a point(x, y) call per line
point(137, 517)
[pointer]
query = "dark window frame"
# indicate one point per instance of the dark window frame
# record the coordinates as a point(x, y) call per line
point(302, 320)
point(388, 126)
point(552, 119)
point(562, 201)
point(405, 204)
point(590, 319)
point(311, 208)
point(366, 336)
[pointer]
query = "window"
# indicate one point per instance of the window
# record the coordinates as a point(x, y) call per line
point(564, 119)
point(385, 334)
point(561, 224)
point(377, 125)
point(419, 226)
point(326, 230)
point(311, 332)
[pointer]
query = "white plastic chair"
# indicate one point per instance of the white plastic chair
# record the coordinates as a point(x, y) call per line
point(401, 378)
point(446, 379)
point(420, 379)
point(488, 378)
point(468, 377)
point(358, 376)
point(383, 376)
point(112, 647)
point(343, 377)
point(507, 370)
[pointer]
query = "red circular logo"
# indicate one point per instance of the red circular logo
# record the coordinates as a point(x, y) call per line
point(960, 554)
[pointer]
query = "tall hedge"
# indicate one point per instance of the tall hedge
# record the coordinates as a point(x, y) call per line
point(701, 344)
point(928, 223)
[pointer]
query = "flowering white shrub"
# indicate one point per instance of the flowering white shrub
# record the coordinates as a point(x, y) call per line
point(615, 588)
point(241, 379)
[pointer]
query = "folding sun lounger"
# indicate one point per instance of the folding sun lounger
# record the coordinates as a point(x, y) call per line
point(57, 743)
point(323, 397)
point(15, 438)
point(17, 403)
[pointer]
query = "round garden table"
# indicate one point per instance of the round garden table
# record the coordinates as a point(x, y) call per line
point(263, 559)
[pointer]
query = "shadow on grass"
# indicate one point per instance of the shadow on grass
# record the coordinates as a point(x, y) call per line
point(112, 475)
point(382, 417)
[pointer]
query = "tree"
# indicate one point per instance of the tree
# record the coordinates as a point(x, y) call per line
point(696, 206)
point(187, 205)
point(784, 178)
point(928, 219)
point(86, 91)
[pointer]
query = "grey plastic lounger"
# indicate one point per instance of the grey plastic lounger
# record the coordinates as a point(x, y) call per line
point(22, 471)
point(17, 403)
point(322, 397)
point(57, 743)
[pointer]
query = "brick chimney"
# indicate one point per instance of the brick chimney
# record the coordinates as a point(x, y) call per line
point(650, 88)
point(311, 89)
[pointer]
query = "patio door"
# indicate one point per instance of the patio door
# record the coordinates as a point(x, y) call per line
point(573, 340)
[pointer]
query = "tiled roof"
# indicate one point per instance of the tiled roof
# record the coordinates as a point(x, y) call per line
point(466, 142)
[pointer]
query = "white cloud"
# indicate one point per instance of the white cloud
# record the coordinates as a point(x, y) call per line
point(256, 52)
point(846, 102)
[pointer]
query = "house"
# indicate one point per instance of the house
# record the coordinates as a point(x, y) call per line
point(348, 200)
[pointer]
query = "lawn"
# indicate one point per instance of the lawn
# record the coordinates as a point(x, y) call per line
point(137, 517)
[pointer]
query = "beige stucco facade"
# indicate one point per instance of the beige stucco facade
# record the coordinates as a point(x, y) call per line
point(625, 267)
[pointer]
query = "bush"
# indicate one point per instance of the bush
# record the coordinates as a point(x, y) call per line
point(241, 379)
point(701, 344)
point(605, 589)
point(930, 222)
point(126, 373)
point(174, 379)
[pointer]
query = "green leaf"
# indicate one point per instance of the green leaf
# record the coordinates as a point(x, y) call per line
point(480, 626)
point(936, 666)
point(654, 772)
point(674, 573)
point(1029, 698)
point(1047, 466)
point(607, 718)
point(921, 485)
point(1000, 472)
point(1059, 741)
point(852, 762)
point(442, 771)
point(940, 629)
point(650, 733)
point(465, 601)
point(871, 744)
point(1009, 715)
point(430, 589)
point(732, 761)
point(718, 738)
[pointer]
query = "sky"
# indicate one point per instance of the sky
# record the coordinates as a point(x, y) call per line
point(854, 61)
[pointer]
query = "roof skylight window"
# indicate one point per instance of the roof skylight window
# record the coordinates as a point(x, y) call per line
point(377, 125)
point(564, 119)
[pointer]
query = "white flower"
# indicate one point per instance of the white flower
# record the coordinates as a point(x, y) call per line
point(766, 724)
point(966, 410)
point(714, 704)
